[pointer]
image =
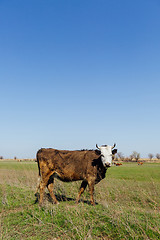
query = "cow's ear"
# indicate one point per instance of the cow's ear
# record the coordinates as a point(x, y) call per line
point(114, 151)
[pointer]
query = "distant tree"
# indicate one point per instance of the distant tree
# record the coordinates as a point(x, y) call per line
point(1, 157)
point(120, 156)
point(136, 155)
point(131, 157)
point(158, 155)
point(150, 155)
point(15, 158)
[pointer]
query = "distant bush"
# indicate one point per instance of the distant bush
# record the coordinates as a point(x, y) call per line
point(131, 157)
point(120, 156)
point(158, 155)
point(127, 159)
point(150, 155)
point(1, 157)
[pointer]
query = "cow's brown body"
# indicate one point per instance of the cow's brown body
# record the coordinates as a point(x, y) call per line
point(140, 163)
point(85, 165)
point(118, 164)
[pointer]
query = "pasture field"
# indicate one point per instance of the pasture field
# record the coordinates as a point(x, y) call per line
point(127, 205)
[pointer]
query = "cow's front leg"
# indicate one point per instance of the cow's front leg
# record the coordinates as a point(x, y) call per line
point(91, 190)
point(82, 188)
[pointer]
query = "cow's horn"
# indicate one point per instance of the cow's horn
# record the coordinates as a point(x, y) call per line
point(97, 146)
point(114, 145)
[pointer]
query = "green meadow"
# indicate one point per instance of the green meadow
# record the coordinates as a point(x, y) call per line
point(127, 205)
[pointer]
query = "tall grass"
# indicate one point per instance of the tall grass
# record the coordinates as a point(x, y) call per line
point(128, 205)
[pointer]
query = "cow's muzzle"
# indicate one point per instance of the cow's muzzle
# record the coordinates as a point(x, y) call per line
point(107, 164)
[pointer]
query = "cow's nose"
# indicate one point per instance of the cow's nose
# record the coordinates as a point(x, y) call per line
point(108, 164)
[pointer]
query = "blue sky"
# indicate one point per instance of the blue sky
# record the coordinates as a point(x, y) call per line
point(77, 73)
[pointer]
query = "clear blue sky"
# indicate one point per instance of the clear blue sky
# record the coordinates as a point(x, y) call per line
point(77, 73)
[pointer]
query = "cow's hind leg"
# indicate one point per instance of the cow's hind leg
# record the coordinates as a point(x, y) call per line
point(38, 185)
point(50, 189)
point(42, 185)
point(82, 188)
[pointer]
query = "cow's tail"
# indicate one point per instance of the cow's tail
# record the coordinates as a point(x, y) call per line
point(37, 157)
point(39, 175)
point(39, 172)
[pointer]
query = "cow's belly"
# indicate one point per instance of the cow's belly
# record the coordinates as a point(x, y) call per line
point(67, 177)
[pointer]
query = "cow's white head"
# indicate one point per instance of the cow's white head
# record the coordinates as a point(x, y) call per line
point(106, 154)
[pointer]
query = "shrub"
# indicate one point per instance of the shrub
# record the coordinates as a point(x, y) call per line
point(150, 155)
point(158, 155)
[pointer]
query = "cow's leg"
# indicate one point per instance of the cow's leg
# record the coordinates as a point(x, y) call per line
point(42, 185)
point(38, 185)
point(50, 189)
point(42, 188)
point(91, 190)
point(82, 188)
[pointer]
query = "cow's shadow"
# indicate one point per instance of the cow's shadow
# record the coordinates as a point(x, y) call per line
point(60, 198)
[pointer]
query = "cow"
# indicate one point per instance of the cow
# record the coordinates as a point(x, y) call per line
point(118, 164)
point(140, 163)
point(90, 166)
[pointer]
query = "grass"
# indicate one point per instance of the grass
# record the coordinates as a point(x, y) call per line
point(128, 205)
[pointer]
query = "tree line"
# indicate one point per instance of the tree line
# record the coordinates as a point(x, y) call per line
point(135, 156)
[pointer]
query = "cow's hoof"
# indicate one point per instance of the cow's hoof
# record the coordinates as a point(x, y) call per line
point(77, 201)
point(36, 194)
point(41, 205)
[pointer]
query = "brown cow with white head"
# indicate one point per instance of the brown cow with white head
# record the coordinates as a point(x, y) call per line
point(89, 166)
